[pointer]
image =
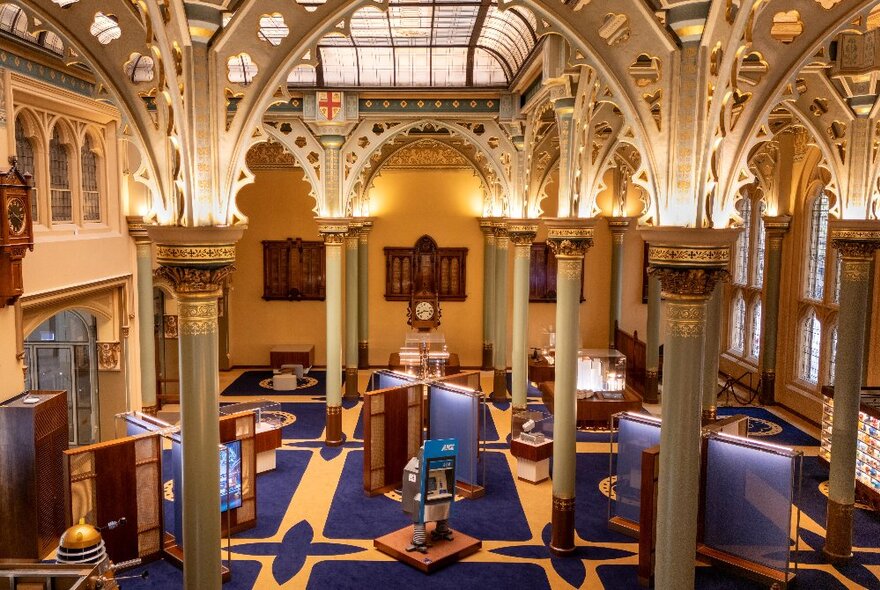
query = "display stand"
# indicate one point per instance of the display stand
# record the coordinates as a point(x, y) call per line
point(455, 411)
point(438, 556)
point(635, 434)
point(531, 442)
point(268, 429)
point(392, 419)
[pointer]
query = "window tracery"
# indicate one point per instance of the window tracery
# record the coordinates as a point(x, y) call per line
point(91, 197)
point(59, 174)
point(24, 150)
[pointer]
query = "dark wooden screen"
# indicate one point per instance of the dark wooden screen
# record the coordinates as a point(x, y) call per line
point(392, 435)
point(242, 426)
point(425, 268)
point(293, 270)
point(542, 274)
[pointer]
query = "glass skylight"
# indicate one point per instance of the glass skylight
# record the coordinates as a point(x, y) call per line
point(422, 43)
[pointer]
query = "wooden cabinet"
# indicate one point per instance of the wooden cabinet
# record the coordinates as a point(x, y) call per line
point(293, 270)
point(425, 268)
point(33, 438)
point(542, 274)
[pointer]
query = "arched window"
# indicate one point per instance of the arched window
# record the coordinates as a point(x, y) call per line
point(755, 330)
point(811, 336)
point(24, 150)
point(90, 193)
point(758, 276)
point(832, 355)
point(738, 324)
point(59, 176)
point(741, 266)
point(837, 261)
point(817, 249)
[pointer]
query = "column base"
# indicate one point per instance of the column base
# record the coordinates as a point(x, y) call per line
point(351, 384)
point(710, 415)
point(767, 395)
point(150, 410)
point(562, 527)
point(652, 387)
point(363, 355)
point(333, 432)
point(499, 388)
point(488, 357)
point(838, 532)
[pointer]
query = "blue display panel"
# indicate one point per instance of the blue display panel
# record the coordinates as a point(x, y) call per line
point(230, 476)
point(749, 497)
point(455, 414)
point(386, 379)
point(634, 435)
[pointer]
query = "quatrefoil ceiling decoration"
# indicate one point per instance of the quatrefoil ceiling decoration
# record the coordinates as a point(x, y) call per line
point(105, 28)
point(241, 69)
point(787, 26)
point(139, 68)
point(645, 70)
point(273, 30)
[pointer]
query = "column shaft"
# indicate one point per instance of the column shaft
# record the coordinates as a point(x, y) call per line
point(522, 233)
point(351, 315)
point(775, 228)
point(618, 227)
point(333, 294)
point(710, 355)
point(364, 297)
point(499, 391)
point(488, 293)
point(652, 343)
point(200, 438)
point(146, 337)
point(851, 326)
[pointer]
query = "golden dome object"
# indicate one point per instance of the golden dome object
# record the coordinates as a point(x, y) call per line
point(80, 536)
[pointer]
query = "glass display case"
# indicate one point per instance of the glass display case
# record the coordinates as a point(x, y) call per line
point(601, 370)
point(531, 442)
point(265, 413)
point(532, 427)
point(424, 354)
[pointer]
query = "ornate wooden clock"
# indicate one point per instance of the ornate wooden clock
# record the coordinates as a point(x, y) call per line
point(16, 231)
point(424, 307)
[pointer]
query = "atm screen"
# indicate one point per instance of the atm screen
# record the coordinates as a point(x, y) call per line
point(432, 484)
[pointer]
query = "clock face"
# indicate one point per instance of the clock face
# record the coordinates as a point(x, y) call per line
point(15, 214)
point(424, 310)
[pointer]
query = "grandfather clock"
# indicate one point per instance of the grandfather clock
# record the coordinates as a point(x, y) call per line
point(424, 305)
point(16, 231)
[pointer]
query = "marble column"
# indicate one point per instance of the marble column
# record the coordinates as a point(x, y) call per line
point(775, 229)
point(333, 231)
point(522, 234)
point(196, 261)
point(502, 243)
point(488, 229)
point(570, 238)
point(688, 263)
point(652, 343)
point(711, 352)
point(364, 293)
point(352, 242)
point(856, 242)
point(146, 336)
point(618, 227)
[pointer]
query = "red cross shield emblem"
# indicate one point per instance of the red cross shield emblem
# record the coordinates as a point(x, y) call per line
point(329, 104)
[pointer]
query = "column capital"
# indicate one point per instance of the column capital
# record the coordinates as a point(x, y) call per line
point(137, 229)
point(570, 237)
point(332, 140)
point(333, 229)
point(195, 260)
point(689, 261)
point(776, 225)
point(365, 225)
point(499, 226)
point(619, 224)
point(522, 231)
point(853, 238)
point(487, 225)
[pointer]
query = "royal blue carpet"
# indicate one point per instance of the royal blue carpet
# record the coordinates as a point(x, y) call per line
point(249, 383)
point(769, 427)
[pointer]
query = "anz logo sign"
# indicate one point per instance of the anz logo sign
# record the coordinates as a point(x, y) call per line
point(448, 447)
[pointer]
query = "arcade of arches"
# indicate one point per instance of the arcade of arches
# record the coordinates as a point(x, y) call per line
point(704, 175)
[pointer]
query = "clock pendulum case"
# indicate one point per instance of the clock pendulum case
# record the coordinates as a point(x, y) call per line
point(16, 231)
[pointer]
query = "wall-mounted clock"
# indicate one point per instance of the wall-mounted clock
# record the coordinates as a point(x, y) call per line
point(16, 231)
point(16, 215)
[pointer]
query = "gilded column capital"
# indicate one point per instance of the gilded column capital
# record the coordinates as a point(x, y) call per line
point(333, 229)
point(137, 229)
point(688, 282)
point(195, 260)
point(689, 262)
point(366, 225)
point(855, 239)
point(487, 225)
point(618, 227)
point(522, 231)
point(190, 280)
point(570, 237)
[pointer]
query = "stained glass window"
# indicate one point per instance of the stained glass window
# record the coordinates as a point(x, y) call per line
point(425, 43)
point(91, 197)
point(817, 250)
point(755, 330)
point(811, 335)
point(24, 150)
point(59, 177)
point(738, 324)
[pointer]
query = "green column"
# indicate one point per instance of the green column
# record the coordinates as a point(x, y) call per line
point(856, 242)
point(488, 229)
point(146, 337)
point(775, 228)
point(522, 234)
point(351, 311)
point(364, 294)
point(502, 242)
point(688, 264)
point(652, 343)
point(333, 231)
point(570, 238)
point(197, 261)
point(618, 226)
point(710, 355)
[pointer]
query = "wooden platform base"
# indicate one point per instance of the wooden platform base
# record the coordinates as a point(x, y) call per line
point(174, 554)
point(439, 555)
point(469, 491)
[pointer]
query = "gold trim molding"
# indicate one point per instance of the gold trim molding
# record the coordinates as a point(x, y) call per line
point(196, 255)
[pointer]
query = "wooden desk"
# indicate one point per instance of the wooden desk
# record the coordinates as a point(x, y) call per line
point(292, 354)
point(594, 411)
point(540, 370)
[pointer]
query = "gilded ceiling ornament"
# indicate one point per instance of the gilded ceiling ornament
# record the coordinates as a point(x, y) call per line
point(269, 156)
